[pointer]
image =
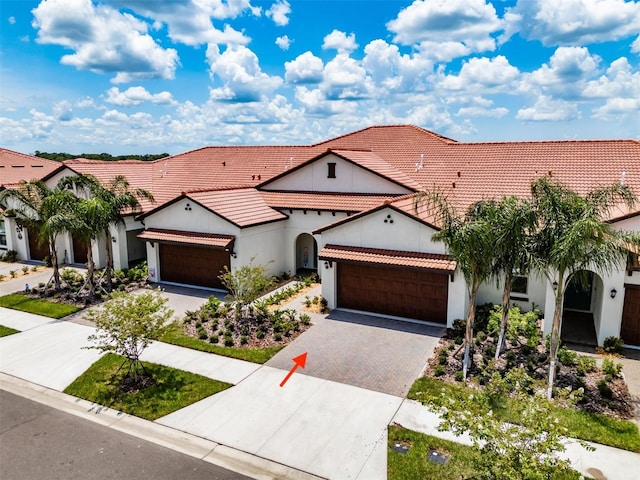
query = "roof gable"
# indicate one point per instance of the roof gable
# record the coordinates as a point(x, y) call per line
point(16, 167)
point(354, 171)
point(241, 207)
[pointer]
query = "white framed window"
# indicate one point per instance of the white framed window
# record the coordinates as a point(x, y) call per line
point(3, 234)
point(519, 286)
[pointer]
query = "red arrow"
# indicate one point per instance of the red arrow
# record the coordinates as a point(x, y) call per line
point(299, 361)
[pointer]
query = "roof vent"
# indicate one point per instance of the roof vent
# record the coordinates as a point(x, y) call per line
point(420, 164)
point(289, 165)
point(622, 178)
point(459, 174)
point(224, 164)
point(453, 184)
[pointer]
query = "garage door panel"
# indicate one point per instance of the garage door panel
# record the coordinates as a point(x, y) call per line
point(192, 265)
point(410, 293)
point(630, 328)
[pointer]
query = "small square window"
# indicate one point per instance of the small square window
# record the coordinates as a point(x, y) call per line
point(332, 170)
point(519, 285)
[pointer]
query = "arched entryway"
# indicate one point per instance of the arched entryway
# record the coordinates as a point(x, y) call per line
point(306, 253)
point(582, 308)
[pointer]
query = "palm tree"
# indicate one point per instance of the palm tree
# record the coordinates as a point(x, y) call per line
point(573, 235)
point(118, 200)
point(92, 217)
point(513, 224)
point(45, 210)
point(469, 241)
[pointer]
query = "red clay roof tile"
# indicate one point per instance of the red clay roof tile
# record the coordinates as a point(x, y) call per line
point(187, 238)
point(396, 258)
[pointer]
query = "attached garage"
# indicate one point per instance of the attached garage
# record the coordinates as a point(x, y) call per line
point(192, 265)
point(630, 329)
point(191, 258)
point(397, 283)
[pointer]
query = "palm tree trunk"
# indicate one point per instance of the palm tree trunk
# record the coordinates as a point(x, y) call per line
point(54, 263)
point(468, 335)
point(554, 343)
point(91, 268)
point(506, 294)
point(109, 259)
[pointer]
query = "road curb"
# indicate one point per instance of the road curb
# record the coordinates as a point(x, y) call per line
point(186, 443)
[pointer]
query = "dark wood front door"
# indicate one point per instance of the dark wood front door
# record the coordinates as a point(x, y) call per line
point(630, 329)
point(401, 292)
point(192, 265)
point(79, 250)
point(37, 250)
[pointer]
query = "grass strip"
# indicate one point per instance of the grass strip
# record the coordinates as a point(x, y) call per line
point(176, 336)
point(592, 427)
point(173, 389)
point(414, 463)
point(17, 301)
point(4, 331)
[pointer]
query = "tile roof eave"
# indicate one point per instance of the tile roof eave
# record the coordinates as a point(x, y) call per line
point(391, 258)
point(370, 211)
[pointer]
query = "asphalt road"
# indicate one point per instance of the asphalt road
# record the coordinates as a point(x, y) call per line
point(40, 442)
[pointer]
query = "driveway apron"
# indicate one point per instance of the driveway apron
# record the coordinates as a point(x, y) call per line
point(378, 354)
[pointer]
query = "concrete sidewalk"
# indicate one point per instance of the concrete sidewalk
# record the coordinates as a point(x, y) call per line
point(310, 428)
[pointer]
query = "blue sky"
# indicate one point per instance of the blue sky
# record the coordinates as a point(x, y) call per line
point(146, 76)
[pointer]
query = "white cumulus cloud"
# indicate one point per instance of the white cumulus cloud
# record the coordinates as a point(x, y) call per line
point(279, 13)
point(306, 68)
point(340, 41)
point(104, 40)
point(284, 42)
point(482, 73)
point(137, 95)
point(463, 23)
point(574, 22)
point(239, 70)
point(550, 110)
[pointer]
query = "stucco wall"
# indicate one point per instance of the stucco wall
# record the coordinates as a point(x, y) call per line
point(491, 292)
point(349, 178)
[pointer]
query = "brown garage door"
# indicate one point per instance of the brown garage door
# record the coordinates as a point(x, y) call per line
point(630, 330)
point(402, 292)
point(192, 265)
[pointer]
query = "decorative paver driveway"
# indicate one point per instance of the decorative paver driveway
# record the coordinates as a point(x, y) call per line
point(374, 353)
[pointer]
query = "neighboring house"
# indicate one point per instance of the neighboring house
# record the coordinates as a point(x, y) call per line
point(346, 208)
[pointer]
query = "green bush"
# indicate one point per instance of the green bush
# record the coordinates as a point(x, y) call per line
point(610, 368)
point(604, 389)
point(439, 371)
point(10, 256)
point(277, 337)
point(71, 276)
point(138, 273)
point(214, 339)
point(260, 334)
point(613, 345)
point(458, 376)
point(228, 341)
point(585, 365)
point(567, 357)
point(305, 319)
point(443, 356)
point(244, 340)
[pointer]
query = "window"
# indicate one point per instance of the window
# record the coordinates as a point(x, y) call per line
point(3, 234)
point(519, 286)
point(332, 170)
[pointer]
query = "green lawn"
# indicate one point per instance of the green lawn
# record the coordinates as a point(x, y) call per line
point(586, 426)
point(176, 336)
point(173, 390)
point(4, 331)
point(414, 463)
point(45, 308)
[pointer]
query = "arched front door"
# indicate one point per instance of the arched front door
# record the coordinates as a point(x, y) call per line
point(306, 253)
point(582, 303)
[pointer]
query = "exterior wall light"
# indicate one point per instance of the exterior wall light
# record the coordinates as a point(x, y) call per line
point(555, 286)
point(328, 264)
point(614, 292)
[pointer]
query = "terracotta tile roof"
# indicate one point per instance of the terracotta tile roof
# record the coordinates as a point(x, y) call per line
point(339, 202)
point(187, 238)
point(467, 171)
point(16, 167)
point(396, 258)
point(242, 207)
